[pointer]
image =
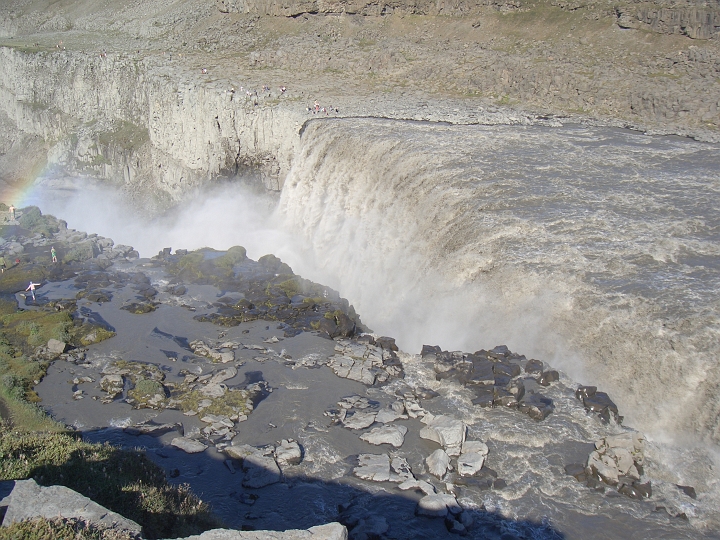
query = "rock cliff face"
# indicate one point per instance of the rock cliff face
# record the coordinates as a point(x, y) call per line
point(700, 21)
point(120, 119)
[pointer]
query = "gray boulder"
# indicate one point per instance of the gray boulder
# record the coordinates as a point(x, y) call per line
point(438, 463)
point(330, 531)
point(188, 445)
point(394, 435)
point(260, 471)
point(29, 501)
point(55, 347)
point(359, 420)
point(437, 505)
point(288, 453)
point(375, 467)
point(446, 431)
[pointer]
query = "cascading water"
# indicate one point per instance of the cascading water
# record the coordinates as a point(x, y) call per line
point(594, 249)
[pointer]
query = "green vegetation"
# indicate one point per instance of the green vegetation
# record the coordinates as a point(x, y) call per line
point(234, 402)
point(21, 333)
point(196, 267)
point(33, 220)
point(44, 529)
point(123, 481)
point(127, 136)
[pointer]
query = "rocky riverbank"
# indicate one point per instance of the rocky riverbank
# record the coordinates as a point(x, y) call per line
point(265, 393)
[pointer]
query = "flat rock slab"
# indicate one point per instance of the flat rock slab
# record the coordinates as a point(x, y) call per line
point(330, 531)
point(29, 501)
point(373, 467)
point(437, 505)
point(288, 453)
point(438, 463)
point(446, 431)
point(359, 420)
point(260, 471)
point(394, 435)
point(188, 445)
point(470, 463)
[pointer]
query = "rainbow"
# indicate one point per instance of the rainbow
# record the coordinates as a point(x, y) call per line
point(22, 190)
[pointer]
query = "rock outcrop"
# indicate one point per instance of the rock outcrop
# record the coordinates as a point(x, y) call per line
point(29, 501)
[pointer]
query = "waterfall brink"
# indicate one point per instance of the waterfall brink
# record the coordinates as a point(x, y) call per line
point(595, 250)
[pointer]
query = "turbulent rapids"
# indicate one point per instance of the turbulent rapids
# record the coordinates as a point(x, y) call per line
point(594, 249)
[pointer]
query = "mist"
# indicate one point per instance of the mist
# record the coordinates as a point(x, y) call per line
point(380, 273)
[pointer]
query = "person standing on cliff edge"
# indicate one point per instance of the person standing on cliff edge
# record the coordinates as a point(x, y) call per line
point(53, 254)
point(12, 212)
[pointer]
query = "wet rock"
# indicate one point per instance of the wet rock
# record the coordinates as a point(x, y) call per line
point(113, 385)
point(359, 420)
point(437, 505)
point(375, 467)
point(481, 373)
point(260, 471)
point(188, 445)
point(386, 343)
point(429, 351)
point(418, 485)
point(485, 396)
point(345, 325)
point(585, 392)
point(472, 458)
point(361, 370)
point(56, 347)
point(536, 406)
point(534, 366)
point(644, 490)
point(504, 368)
point(391, 414)
point(328, 328)
point(154, 430)
point(176, 290)
point(201, 348)
point(30, 501)
point(499, 483)
point(401, 471)
point(223, 375)
point(688, 490)
point(387, 434)
point(438, 463)
point(288, 453)
point(616, 461)
point(139, 308)
point(503, 398)
point(454, 526)
point(548, 377)
point(601, 404)
point(446, 431)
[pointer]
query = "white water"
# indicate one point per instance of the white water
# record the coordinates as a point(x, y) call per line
point(595, 250)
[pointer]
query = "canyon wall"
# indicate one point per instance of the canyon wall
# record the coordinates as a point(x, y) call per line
point(146, 128)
